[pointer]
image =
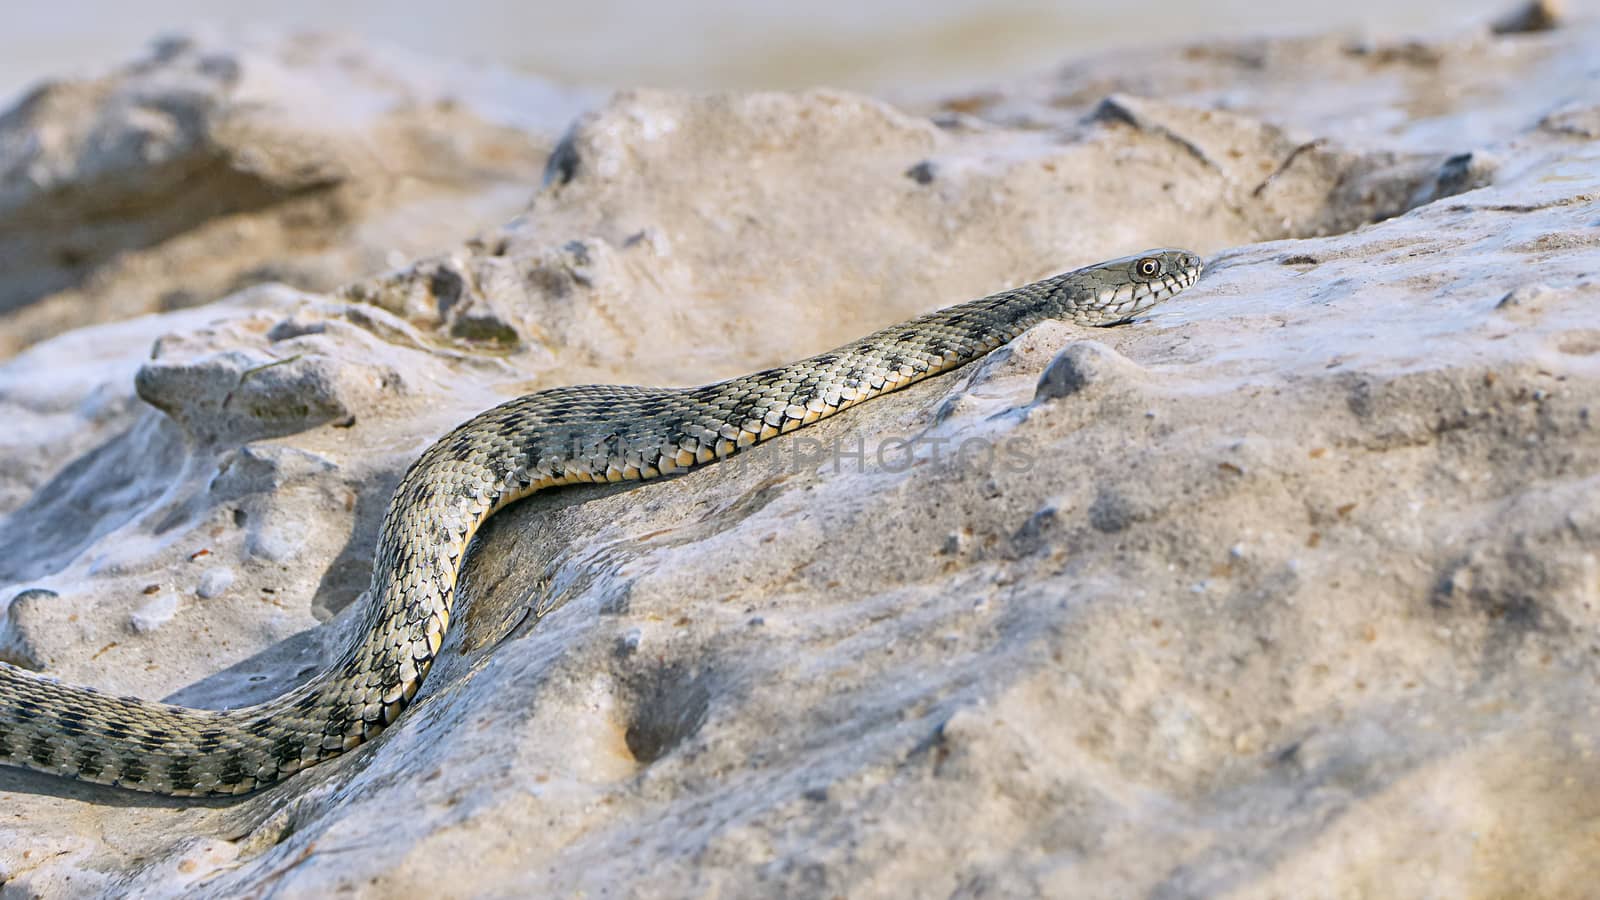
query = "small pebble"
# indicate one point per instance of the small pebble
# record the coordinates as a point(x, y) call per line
point(215, 582)
point(155, 614)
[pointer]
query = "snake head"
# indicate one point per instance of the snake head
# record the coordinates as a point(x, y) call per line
point(1113, 292)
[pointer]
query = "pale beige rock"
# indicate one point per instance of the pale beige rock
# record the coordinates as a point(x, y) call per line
point(1290, 589)
point(1538, 15)
point(208, 166)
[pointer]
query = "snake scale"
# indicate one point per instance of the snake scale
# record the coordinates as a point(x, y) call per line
point(568, 435)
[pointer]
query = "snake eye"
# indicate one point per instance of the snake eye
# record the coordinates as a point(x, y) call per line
point(1149, 267)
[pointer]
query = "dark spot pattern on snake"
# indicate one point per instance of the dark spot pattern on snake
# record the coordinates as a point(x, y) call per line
point(603, 433)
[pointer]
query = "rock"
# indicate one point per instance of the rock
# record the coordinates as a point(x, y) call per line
point(1575, 120)
point(1527, 298)
point(207, 167)
point(21, 607)
point(1286, 588)
point(1081, 366)
point(214, 583)
point(157, 612)
point(1538, 15)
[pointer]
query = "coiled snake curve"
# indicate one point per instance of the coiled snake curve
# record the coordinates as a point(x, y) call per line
point(563, 436)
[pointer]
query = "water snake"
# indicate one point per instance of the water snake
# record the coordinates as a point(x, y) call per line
point(567, 435)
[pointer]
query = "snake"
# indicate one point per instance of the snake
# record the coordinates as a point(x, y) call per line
point(560, 436)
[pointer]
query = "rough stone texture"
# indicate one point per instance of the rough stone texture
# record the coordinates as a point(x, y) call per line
point(1290, 589)
point(206, 167)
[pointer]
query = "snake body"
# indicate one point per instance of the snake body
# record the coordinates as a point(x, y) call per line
point(591, 433)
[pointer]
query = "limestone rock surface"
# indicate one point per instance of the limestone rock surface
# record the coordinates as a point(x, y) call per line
point(211, 165)
point(1291, 588)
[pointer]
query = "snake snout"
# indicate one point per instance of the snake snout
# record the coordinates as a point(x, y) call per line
point(1192, 264)
point(1123, 288)
point(1178, 269)
point(1183, 265)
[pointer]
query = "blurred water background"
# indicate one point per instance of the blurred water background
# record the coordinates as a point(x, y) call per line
point(708, 43)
